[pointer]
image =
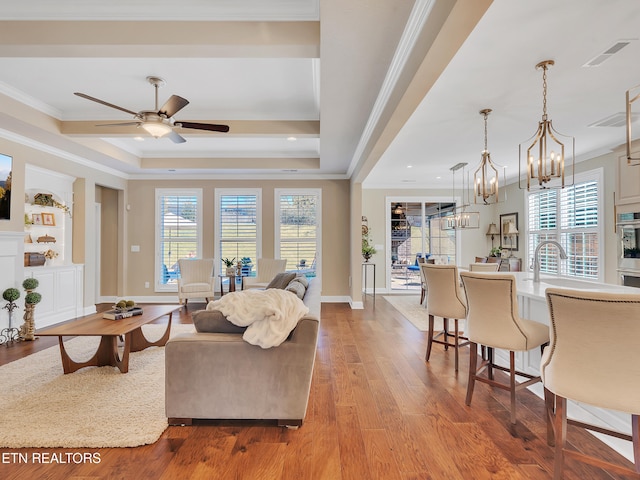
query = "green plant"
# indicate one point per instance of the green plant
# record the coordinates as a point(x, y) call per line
point(32, 298)
point(495, 252)
point(367, 249)
point(229, 263)
point(30, 283)
point(11, 294)
point(245, 261)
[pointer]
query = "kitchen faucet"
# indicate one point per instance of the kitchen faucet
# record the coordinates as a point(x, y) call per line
point(536, 257)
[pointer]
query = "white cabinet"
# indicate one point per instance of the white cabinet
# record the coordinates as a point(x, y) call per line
point(61, 288)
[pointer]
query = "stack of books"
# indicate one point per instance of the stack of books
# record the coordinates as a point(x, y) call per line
point(120, 314)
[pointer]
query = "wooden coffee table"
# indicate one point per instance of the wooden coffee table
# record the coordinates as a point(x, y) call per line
point(109, 331)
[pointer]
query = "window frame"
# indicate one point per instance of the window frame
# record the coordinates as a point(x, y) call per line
point(219, 193)
point(160, 193)
point(277, 194)
point(594, 175)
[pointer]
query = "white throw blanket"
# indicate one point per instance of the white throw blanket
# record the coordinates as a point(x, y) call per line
point(269, 315)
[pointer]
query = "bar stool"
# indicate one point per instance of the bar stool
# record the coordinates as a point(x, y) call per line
point(484, 267)
point(444, 300)
point(593, 358)
point(493, 322)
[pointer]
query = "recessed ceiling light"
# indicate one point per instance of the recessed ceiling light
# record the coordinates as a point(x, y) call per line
point(291, 139)
point(438, 178)
point(409, 166)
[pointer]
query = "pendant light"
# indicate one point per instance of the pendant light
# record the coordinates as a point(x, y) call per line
point(486, 179)
point(546, 155)
point(460, 218)
point(629, 100)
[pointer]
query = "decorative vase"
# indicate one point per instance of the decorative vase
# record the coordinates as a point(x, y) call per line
point(366, 256)
point(28, 328)
point(231, 271)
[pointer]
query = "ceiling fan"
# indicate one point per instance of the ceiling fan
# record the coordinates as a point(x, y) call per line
point(159, 122)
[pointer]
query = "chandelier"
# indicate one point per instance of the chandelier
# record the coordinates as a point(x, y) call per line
point(545, 155)
point(486, 179)
point(460, 217)
point(629, 100)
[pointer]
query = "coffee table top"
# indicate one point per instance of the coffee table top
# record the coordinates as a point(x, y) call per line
point(93, 325)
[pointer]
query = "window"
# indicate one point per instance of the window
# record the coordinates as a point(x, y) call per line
point(298, 219)
point(570, 216)
point(178, 232)
point(238, 227)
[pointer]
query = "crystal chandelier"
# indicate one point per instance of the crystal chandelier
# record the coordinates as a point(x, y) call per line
point(460, 218)
point(486, 179)
point(545, 155)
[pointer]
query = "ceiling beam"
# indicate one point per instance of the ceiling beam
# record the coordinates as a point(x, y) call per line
point(231, 163)
point(128, 39)
point(237, 128)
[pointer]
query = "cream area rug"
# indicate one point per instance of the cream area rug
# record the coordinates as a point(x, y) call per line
point(95, 407)
point(409, 306)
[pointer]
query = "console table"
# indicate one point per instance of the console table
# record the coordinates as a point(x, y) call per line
point(364, 271)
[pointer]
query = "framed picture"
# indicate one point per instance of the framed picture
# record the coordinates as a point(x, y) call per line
point(509, 231)
point(5, 187)
point(49, 219)
point(36, 218)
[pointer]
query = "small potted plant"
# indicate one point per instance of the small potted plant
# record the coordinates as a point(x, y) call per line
point(229, 263)
point(11, 295)
point(495, 252)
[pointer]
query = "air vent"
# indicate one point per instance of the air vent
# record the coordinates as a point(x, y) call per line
point(616, 120)
point(607, 54)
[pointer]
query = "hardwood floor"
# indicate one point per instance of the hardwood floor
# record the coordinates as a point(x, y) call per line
point(376, 411)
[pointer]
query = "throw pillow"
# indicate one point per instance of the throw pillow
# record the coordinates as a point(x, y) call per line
point(281, 280)
point(297, 287)
point(213, 321)
point(303, 280)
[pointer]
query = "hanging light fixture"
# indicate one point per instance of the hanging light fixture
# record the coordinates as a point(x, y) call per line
point(545, 159)
point(629, 100)
point(486, 179)
point(398, 209)
point(460, 217)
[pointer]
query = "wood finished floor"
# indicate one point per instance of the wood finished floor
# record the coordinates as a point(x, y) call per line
point(376, 411)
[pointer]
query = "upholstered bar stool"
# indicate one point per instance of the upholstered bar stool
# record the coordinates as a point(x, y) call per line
point(423, 278)
point(444, 300)
point(484, 267)
point(593, 358)
point(493, 322)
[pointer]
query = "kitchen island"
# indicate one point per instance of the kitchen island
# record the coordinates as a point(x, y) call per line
point(532, 304)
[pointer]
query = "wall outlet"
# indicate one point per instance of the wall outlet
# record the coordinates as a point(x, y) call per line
point(146, 284)
point(135, 248)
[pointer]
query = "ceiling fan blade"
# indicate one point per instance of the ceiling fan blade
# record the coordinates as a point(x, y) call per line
point(97, 100)
point(173, 106)
point(204, 126)
point(176, 138)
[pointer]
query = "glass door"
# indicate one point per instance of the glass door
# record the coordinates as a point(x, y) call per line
point(415, 232)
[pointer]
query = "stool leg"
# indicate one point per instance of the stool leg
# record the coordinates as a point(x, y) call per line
point(560, 427)
point(549, 401)
point(473, 367)
point(456, 343)
point(512, 384)
point(430, 340)
point(445, 324)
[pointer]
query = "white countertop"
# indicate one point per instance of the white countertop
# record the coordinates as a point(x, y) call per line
point(528, 288)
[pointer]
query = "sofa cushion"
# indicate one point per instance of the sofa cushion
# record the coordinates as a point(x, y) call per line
point(213, 321)
point(303, 280)
point(281, 280)
point(297, 287)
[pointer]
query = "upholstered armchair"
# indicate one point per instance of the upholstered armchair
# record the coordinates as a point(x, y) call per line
point(196, 279)
point(267, 268)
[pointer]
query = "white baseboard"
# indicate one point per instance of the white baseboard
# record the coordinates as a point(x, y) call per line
point(356, 305)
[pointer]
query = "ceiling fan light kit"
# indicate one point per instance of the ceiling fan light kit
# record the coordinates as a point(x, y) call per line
point(545, 155)
point(159, 122)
